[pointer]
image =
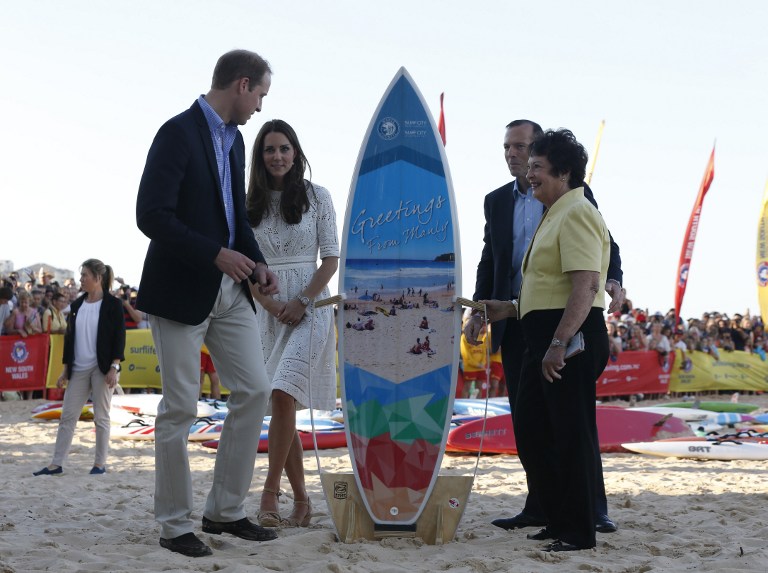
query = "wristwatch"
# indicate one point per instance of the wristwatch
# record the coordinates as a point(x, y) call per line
point(303, 299)
point(116, 366)
point(558, 342)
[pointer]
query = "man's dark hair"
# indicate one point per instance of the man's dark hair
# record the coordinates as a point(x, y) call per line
point(537, 131)
point(6, 293)
point(239, 64)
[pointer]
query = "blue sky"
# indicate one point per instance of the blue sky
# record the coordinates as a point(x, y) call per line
point(85, 85)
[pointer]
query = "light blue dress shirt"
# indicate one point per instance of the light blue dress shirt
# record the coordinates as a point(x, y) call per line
point(528, 213)
point(223, 136)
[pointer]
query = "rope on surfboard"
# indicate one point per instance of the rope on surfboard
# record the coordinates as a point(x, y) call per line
point(317, 304)
point(483, 309)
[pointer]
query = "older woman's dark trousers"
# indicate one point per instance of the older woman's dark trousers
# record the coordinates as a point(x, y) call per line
point(556, 431)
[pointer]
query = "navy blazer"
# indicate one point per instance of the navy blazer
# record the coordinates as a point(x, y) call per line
point(180, 207)
point(110, 333)
point(494, 271)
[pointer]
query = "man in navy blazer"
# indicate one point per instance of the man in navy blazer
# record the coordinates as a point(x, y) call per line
point(191, 204)
point(511, 218)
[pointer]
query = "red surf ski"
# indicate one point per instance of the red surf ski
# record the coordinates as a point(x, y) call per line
point(615, 426)
point(326, 440)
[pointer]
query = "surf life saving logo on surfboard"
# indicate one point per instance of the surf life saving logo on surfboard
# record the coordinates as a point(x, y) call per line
point(399, 331)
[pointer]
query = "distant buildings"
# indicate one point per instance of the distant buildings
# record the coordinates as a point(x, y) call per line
point(40, 270)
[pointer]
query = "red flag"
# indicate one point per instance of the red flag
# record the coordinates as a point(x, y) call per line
point(441, 121)
point(690, 236)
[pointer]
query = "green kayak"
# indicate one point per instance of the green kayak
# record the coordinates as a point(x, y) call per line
point(738, 407)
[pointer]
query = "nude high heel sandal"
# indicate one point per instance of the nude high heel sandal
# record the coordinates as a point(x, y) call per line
point(294, 521)
point(270, 518)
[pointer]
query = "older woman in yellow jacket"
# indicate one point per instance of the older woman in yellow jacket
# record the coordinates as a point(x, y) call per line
point(564, 274)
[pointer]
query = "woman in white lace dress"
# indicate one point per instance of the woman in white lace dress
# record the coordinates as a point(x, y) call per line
point(294, 223)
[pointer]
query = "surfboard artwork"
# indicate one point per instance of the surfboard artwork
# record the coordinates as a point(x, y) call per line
point(398, 329)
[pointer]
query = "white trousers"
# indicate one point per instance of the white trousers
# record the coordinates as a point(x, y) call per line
point(83, 384)
point(231, 334)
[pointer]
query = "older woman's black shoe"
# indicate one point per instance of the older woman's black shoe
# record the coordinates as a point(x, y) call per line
point(541, 535)
point(604, 524)
point(558, 545)
point(518, 521)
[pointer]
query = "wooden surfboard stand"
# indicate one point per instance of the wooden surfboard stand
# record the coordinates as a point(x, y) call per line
point(436, 525)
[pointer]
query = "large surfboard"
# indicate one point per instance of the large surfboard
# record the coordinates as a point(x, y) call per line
point(400, 254)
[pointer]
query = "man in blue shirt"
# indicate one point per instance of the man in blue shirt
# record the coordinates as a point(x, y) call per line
point(191, 204)
point(511, 218)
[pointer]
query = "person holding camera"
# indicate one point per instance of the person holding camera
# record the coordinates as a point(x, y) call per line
point(133, 317)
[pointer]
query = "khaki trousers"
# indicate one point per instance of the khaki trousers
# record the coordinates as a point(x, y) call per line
point(231, 334)
point(84, 383)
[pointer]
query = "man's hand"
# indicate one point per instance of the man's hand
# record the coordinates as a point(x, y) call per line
point(266, 279)
point(472, 329)
point(617, 295)
point(499, 309)
point(233, 264)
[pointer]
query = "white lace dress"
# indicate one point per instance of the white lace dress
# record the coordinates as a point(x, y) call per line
point(292, 254)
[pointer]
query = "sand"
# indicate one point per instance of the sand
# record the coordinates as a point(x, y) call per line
point(674, 515)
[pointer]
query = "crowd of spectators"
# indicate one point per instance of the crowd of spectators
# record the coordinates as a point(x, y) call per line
point(637, 329)
point(33, 303)
point(713, 333)
point(45, 303)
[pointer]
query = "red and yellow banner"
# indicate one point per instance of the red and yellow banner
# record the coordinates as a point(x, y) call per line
point(34, 363)
point(646, 373)
point(690, 235)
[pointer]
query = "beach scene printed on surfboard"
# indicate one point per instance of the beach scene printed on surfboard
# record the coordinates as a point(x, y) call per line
point(399, 328)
